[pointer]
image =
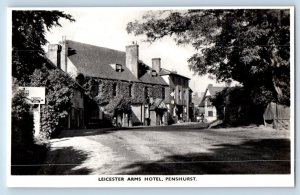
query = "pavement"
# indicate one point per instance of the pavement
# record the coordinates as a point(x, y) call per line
point(168, 150)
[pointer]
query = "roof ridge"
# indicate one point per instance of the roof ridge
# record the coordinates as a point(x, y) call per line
point(95, 46)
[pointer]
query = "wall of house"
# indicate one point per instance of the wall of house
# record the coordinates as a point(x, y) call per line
point(76, 115)
point(137, 116)
point(71, 69)
point(214, 113)
point(181, 96)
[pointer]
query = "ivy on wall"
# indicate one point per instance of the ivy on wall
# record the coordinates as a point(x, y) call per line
point(101, 90)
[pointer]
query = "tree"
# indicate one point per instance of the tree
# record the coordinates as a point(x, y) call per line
point(28, 37)
point(251, 46)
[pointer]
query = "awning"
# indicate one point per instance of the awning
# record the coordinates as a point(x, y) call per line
point(158, 103)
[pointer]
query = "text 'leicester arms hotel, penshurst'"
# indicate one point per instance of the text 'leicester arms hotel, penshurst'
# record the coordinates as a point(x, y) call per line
point(125, 91)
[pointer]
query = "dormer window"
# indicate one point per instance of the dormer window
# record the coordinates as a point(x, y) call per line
point(117, 67)
point(153, 73)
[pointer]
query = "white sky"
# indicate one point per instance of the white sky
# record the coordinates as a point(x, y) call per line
point(106, 27)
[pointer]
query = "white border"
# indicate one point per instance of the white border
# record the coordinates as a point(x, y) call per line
point(287, 180)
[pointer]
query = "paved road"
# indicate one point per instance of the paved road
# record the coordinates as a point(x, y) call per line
point(184, 149)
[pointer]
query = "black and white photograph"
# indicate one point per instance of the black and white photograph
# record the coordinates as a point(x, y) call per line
point(151, 97)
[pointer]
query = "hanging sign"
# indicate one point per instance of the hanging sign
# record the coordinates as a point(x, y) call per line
point(34, 95)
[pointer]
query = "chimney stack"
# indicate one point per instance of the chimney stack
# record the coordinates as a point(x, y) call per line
point(64, 53)
point(156, 64)
point(132, 57)
point(54, 54)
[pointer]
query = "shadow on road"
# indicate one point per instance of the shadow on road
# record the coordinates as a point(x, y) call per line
point(92, 132)
point(64, 161)
point(264, 156)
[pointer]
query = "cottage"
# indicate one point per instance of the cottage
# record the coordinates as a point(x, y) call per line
point(210, 111)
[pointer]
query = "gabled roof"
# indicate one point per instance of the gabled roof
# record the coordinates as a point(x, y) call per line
point(212, 91)
point(158, 103)
point(95, 61)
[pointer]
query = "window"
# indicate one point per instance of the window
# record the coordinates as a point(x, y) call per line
point(184, 94)
point(94, 90)
point(118, 67)
point(179, 94)
point(153, 73)
point(130, 89)
point(146, 92)
point(163, 93)
point(210, 113)
point(114, 89)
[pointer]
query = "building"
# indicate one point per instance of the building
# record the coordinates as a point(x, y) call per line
point(210, 111)
point(180, 98)
point(121, 88)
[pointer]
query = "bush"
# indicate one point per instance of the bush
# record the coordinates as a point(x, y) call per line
point(59, 92)
point(239, 107)
point(25, 149)
point(22, 128)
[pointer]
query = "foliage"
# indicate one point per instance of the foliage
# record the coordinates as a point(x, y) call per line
point(25, 149)
point(245, 45)
point(101, 90)
point(138, 93)
point(28, 37)
point(235, 106)
point(21, 125)
point(59, 92)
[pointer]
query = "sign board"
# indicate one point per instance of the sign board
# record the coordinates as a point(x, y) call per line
point(34, 95)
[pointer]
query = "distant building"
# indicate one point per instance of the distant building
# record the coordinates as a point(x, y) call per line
point(210, 111)
point(180, 98)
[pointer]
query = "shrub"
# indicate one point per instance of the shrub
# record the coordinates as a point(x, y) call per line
point(239, 106)
point(59, 92)
point(22, 128)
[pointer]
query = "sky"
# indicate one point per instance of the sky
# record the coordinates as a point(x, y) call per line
point(106, 27)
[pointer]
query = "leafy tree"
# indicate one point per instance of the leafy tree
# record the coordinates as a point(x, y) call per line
point(59, 93)
point(251, 46)
point(235, 107)
point(28, 37)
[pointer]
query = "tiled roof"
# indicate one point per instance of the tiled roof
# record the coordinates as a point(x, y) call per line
point(145, 75)
point(214, 90)
point(156, 103)
point(95, 61)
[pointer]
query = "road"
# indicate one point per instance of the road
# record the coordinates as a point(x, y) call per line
point(169, 150)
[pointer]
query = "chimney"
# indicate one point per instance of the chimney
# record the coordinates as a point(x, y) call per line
point(156, 63)
point(132, 57)
point(64, 54)
point(54, 54)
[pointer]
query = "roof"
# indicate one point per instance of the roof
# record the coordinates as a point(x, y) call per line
point(95, 61)
point(213, 91)
point(145, 75)
point(169, 72)
point(158, 103)
point(50, 65)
